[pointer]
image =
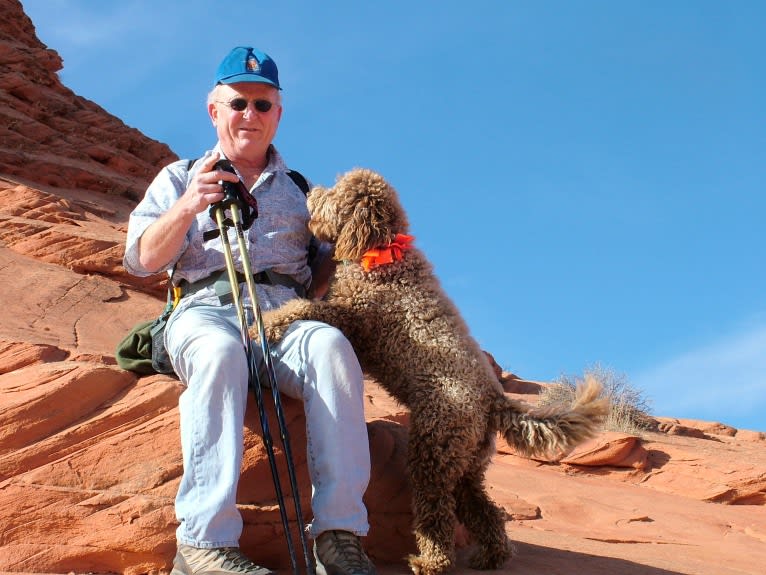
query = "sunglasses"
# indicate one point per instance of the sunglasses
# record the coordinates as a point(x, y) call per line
point(240, 105)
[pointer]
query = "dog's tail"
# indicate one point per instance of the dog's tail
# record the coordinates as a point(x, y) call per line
point(551, 430)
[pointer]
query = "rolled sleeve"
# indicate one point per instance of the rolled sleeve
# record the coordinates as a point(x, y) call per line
point(161, 194)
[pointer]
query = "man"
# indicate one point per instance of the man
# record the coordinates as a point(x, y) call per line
point(313, 363)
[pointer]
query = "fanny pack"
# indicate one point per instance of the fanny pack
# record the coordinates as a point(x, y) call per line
point(143, 349)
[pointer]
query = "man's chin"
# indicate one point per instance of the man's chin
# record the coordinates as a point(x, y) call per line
point(250, 146)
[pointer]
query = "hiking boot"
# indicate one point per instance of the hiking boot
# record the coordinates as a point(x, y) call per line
point(220, 561)
point(341, 553)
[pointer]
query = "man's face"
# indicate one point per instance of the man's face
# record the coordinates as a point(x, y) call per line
point(245, 135)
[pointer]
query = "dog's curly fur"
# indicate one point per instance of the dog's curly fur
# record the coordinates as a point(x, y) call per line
point(410, 337)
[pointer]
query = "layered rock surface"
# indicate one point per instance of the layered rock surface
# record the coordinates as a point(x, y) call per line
point(90, 455)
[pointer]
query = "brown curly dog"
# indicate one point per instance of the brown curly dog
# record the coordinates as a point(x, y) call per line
point(410, 337)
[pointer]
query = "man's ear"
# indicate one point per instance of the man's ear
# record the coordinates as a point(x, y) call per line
point(212, 111)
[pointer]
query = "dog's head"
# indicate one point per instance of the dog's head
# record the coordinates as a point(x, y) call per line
point(360, 212)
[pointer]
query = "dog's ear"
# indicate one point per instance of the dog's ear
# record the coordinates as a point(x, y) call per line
point(372, 216)
point(359, 234)
point(323, 222)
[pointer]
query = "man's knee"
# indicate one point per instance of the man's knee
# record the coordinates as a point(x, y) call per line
point(326, 338)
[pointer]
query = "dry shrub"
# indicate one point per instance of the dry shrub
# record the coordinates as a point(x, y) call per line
point(628, 407)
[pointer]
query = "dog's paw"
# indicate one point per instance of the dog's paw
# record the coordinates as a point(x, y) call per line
point(492, 558)
point(254, 335)
point(421, 565)
point(275, 333)
point(274, 330)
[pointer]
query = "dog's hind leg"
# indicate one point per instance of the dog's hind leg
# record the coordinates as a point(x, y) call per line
point(483, 519)
point(434, 540)
point(434, 472)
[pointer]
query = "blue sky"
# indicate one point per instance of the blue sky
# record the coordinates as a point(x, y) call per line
point(587, 177)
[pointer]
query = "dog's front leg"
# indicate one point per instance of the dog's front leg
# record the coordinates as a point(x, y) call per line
point(277, 321)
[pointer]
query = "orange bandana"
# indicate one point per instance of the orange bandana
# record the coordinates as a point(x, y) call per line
point(386, 255)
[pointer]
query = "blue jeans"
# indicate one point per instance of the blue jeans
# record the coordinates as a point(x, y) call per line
point(314, 363)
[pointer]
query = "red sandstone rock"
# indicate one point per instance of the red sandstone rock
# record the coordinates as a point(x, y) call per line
point(609, 449)
point(51, 136)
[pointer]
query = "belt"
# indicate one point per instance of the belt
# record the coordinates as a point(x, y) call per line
point(267, 276)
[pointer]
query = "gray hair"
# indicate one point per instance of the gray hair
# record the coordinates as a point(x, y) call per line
point(212, 95)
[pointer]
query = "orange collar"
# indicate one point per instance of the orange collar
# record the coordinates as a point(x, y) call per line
point(388, 254)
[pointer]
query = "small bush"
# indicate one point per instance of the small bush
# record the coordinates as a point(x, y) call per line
point(628, 408)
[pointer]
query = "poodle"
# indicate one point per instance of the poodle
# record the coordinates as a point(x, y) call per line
point(410, 338)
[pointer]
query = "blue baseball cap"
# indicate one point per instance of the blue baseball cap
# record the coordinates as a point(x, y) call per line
point(246, 64)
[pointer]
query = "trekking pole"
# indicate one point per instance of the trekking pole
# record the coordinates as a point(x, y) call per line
point(272, 378)
point(254, 377)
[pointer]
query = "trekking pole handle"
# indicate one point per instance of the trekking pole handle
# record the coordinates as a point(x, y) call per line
point(235, 194)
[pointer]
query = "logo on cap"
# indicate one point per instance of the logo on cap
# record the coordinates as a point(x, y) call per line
point(252, 64)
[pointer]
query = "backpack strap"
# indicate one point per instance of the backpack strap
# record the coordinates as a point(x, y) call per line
point(299, 181)
point(174, 292)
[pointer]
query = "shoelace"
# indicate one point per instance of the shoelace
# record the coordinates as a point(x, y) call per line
point(347, 552)
point(234, 560)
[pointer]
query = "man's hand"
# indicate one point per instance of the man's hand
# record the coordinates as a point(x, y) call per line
point(206, 187)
